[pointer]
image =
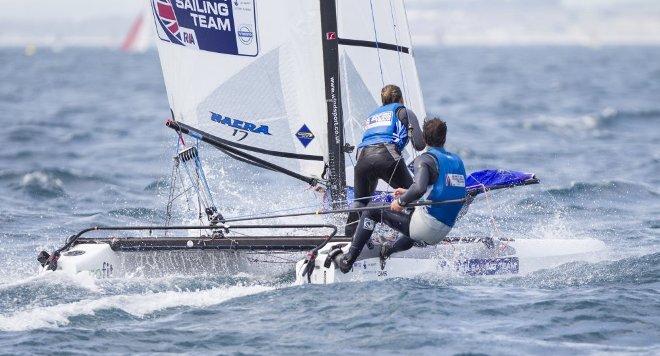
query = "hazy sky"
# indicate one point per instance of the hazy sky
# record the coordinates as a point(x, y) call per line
point(490, 22)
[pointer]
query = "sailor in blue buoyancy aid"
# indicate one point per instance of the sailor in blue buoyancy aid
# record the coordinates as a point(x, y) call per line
point(387, 131)
point(439, 176)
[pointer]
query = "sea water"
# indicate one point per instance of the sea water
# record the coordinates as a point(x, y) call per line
point(83, 143)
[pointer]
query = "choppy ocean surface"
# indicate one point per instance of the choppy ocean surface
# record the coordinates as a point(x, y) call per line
point(83, 143)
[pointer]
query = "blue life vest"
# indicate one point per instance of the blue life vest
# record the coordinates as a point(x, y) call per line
point(383, 126)
point(449, 186)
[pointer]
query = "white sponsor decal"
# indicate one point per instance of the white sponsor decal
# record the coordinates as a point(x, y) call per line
point(455, 180)
point(382, 119)
point(369, 224)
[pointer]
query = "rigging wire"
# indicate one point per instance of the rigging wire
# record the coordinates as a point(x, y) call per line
point(396, 39)
point(341, 202)
point(373, 21)
point(404, 83)
point(200, 172)
point(405, 15)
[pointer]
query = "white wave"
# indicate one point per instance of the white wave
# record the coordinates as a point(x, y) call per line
point(138, 305)
point(82, 280)
point(589, 123)
point(42, 180)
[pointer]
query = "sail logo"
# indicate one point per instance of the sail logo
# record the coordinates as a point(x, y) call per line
point(221, 26)
point(207, 14)
point(455, 180)
point(240, 126)
point(381, 119)
point(165, 13)
point(305, 135)
point(245, 34)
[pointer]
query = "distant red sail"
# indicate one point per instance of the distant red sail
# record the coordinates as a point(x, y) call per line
point(131, 37)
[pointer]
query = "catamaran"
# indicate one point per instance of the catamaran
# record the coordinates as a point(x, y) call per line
point(285, 86)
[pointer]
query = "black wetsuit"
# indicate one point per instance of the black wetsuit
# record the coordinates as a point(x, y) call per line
point(382, 161)
point(426, 173)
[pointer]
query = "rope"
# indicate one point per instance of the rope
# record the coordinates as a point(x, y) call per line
point(198, 182)
point(493, 221)
point(194, 182)
point(200, 171)
point(373, 21)
point(405, 15)
point(496, 231)
point(389, 182)
point(331, 203)
point(396, 39)
point(341, 211)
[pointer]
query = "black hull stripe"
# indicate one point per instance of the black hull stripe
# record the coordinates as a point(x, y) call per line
point(372, 44)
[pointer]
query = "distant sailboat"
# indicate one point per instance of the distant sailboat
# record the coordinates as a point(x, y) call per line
point(30, 50)
point(140, 35)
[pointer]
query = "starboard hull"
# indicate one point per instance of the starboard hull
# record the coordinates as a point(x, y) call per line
point(457, 259)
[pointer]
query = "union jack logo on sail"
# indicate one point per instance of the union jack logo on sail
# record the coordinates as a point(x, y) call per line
point(208, 25)
point(167, 17)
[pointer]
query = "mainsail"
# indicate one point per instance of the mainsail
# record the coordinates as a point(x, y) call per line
point(375, 49)
point(284, 84)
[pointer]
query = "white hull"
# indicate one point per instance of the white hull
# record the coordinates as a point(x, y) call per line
point(103, 262)
point(471, 258)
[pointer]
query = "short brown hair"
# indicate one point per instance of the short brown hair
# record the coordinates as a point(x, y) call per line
point(435, 132)
point(391, 94)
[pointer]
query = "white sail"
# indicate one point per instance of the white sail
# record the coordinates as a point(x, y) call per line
point(287, 81)
point(248, 72)
point(377, 51)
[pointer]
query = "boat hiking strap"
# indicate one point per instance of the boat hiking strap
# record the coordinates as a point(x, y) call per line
point(248, 158)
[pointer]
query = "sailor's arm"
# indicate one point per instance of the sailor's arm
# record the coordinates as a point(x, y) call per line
point(415, 131)
point(426, 172)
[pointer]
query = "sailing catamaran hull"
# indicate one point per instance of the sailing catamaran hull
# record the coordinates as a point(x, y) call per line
point(102, 261)
point(457, 259)
point(152, 257)
point(109, 258)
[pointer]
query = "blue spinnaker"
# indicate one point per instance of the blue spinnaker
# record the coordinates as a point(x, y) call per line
point(477, 182)
point(489, 179)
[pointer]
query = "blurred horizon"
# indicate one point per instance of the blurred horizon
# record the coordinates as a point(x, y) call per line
point(433, 22)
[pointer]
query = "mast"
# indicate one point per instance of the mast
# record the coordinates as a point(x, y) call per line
point(336, 165)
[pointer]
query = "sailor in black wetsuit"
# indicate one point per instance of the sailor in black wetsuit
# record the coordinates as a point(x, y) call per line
point(439, 176)
point(379, 154)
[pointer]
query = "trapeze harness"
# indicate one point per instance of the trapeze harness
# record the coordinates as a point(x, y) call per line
point(379, 157)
